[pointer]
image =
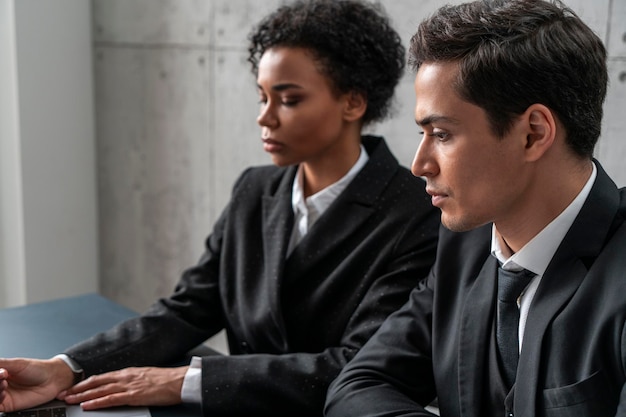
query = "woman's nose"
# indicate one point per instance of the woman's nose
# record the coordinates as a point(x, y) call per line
point(266, 117)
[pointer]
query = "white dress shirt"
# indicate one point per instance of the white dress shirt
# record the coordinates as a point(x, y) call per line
point(538, 252)
point(306, 211)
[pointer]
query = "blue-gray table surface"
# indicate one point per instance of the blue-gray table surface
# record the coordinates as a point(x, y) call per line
point(41, 330)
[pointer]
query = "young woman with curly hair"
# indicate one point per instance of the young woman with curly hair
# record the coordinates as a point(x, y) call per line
point(308, 258)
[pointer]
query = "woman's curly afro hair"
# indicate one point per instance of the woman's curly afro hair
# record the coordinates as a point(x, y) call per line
point(353, 42)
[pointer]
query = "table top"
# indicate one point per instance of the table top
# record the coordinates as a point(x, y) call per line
point(42, 330)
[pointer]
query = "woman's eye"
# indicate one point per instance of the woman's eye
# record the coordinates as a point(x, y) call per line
point(290, 102)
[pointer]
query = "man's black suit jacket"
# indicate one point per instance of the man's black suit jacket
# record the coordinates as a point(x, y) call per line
point(573, 359)
point(292, 321)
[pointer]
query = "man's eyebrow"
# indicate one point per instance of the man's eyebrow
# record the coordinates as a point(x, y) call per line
point(428, 120)
point(282, 87)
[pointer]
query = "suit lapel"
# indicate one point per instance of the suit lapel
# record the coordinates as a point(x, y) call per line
point(551, 295)
point(318, 241)
point(277, 227)
point(475, 329)
point(349, 211)
point(565, 273)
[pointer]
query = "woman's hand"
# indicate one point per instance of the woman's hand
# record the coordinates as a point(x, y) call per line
point(27, 383)
point(144, 386)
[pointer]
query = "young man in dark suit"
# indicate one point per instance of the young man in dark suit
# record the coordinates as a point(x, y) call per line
point(509, 95)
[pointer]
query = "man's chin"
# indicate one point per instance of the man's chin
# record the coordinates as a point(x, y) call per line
point(460, 224)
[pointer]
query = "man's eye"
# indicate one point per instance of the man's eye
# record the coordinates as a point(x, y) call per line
point(442, 136)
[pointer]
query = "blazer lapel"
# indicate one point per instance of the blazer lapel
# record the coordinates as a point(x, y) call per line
point(564, 274)
point(318, 242)
point(350, 210)
point(551, 295)
point(277, 227)
point(476, 321)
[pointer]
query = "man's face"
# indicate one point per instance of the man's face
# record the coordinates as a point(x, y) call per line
point(473, 176)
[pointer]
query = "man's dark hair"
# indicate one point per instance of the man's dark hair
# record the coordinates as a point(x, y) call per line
point(353, 43)
point(515, 53)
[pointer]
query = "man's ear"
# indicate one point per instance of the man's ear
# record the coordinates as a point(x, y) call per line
point(541, 125)
point(355, 106)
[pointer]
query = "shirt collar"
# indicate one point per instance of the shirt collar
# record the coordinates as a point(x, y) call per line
point(321, 200)
point(538, 252)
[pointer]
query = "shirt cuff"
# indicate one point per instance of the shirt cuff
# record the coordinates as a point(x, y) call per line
point(79, 374)
point(192, 384)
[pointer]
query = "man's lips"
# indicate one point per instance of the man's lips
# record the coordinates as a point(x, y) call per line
point(436, 197)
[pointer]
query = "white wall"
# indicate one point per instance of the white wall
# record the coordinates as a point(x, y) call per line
point(48, 211)
point(11, 230)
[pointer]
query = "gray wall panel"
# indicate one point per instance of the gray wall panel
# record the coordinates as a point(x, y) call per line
point(237, 137)
point(150, 22)
point(611, 148)
point(152, 124)
point(617, 29)
point(235, 18)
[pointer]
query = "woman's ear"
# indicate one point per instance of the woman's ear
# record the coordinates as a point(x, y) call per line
point(355, 106)
point(541, 124)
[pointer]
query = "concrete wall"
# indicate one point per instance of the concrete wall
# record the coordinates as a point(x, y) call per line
point(176, 107)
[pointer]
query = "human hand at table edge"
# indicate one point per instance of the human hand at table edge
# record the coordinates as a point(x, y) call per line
point(27, 383)
point(141, 386)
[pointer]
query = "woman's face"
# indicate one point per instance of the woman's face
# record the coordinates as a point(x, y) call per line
point(301, 117)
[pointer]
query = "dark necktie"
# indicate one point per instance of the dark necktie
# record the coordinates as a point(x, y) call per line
point(510, 286)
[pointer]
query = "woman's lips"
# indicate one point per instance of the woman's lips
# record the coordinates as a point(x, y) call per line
point(270, 145)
